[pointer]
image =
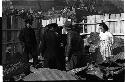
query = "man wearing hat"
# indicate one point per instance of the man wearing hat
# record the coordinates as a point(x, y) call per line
point(28, 38)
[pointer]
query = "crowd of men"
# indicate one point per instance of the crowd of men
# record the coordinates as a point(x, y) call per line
point(56, 48)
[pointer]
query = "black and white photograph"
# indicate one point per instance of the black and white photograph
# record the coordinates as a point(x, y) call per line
point(63, 40)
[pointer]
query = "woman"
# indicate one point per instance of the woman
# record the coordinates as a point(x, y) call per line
point(106, 41)
point(50, 47)
point(74, 48)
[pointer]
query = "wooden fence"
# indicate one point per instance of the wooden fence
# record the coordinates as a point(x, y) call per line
point(115, 23)
point(12, 25)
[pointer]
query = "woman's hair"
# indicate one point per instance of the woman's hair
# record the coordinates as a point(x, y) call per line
point(105, 27)
point(52, 25)
point(77, 27)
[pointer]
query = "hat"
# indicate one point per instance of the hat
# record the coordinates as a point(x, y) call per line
point(54, 24)
point(29, 21)
point(77, 27)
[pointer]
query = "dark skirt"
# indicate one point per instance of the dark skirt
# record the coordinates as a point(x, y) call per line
point(76, 61)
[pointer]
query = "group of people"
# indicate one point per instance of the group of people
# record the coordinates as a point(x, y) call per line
point(58, 49)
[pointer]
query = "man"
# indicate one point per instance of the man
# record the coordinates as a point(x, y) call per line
point(61, 47)
point(28, 38)
point(74, 48)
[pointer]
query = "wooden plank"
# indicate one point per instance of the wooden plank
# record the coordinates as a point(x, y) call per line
point(88, 21)
point(111, 24)
point(114, 34)
point(12, 27)
point(16, 27)
point(64, 20)
point(4, 26)
point(122, 27)
point(44, 23)
point(122, 16)
point(60, 21)
point(98, 20)
point(50, 21)
point(88, 28)
point(54, 20)
point(115, 25)
point(106, 17)
point(83, 27)
point(112, 16)
point(122, 23)
point(117, 28)
point(21, 23)
point(97, 28)
point(93, 21)
point(4, 38)
point(102, 17)
point(114, 20)
point(47, 22)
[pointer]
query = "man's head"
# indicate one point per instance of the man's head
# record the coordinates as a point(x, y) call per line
point(28, 22)
point(77, 27)
point(53, 26)
point(68, 25)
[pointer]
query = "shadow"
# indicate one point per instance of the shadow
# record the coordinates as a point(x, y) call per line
point(117, 50)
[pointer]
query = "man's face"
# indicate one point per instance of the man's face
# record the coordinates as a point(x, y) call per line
point(28, 25)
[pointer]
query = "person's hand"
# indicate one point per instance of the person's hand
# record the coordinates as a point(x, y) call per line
point(66, 58)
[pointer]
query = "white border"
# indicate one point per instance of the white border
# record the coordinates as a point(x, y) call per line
point(1, 73)
point(0, 8)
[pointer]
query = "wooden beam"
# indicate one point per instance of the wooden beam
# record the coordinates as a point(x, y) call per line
point(120, 34)
point(11, 42)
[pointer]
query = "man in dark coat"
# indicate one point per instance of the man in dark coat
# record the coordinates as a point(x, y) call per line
point(50, 47)
point(61, 49)
point(28, 38)
point(74, 48)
